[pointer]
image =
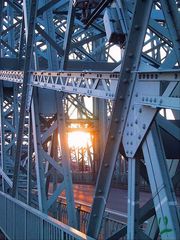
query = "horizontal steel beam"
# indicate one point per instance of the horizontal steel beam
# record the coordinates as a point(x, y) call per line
point(161, 102)
point(96, 84)
point(159, 75)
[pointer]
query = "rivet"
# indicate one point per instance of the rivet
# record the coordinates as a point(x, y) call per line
point(131, 124)
point(127, 152)
point(131, 133)
point(136, 121)
point(94, 215)
point(150, 99)
point(127, 124)
point(142, 98)
point(147, 99)
point(131, 143)
point(116, 120)
point(128, 70)
point(136, 95)
point(99, 191)
point(130, 55)
point(127, 133)
point(112, 137)
point(131, 152)
point(139, 137)
point(144, 126)
point(160, 101)
point(136, 27)
point(106, 165)
point(125, 81)
point(127, 143)
point(121, 97)
point(140, 110)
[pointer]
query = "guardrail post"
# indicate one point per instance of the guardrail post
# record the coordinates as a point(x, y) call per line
point(78, 215)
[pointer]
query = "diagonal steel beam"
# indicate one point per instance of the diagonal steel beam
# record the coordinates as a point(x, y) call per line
point(46, 7)
point(101, 6)
point(161, 185)
point(14, 6)
point(168, 127)
point(172, 17)
point(123, 96)
point(50, 40)
point(68, 35)
point(9, 47)
point(26, 80)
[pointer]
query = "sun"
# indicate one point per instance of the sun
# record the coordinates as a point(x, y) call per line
point(79, 139)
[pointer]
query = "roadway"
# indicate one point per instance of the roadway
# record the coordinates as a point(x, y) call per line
point(117, 200)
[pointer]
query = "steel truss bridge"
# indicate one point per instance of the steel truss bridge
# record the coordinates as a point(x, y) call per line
point(114, 65)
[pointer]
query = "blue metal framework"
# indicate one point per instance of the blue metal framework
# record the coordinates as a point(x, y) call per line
point(55, 54)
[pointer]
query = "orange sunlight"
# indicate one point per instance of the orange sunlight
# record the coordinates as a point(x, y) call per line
point(78, 139)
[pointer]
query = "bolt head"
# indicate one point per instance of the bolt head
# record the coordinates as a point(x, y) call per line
point(106, 165)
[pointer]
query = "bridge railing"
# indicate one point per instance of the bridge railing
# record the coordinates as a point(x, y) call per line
point(19, 221)
point(112, 221)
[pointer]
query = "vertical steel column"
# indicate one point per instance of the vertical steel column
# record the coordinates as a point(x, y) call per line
point(3, 166)
point(61, 121)
point(54, 152)
point(15, 115)
point(38, 156)
point(103, 123)
point(66, 161)
point(133, 199)
point(68, 35)
point(1, 22)
point(161, 186)
point(124, 92)
point(26, 15)
point(1, 102)
point(7, 131)
point(26, 81)
point(10, 34)
point(29, 167)
point(100, 106)
point(52, 65)
point(21, 44)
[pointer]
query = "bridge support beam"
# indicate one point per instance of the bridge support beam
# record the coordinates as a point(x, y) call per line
point(161, 186)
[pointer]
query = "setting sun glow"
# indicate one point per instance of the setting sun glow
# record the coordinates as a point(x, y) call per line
point(78, 139)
